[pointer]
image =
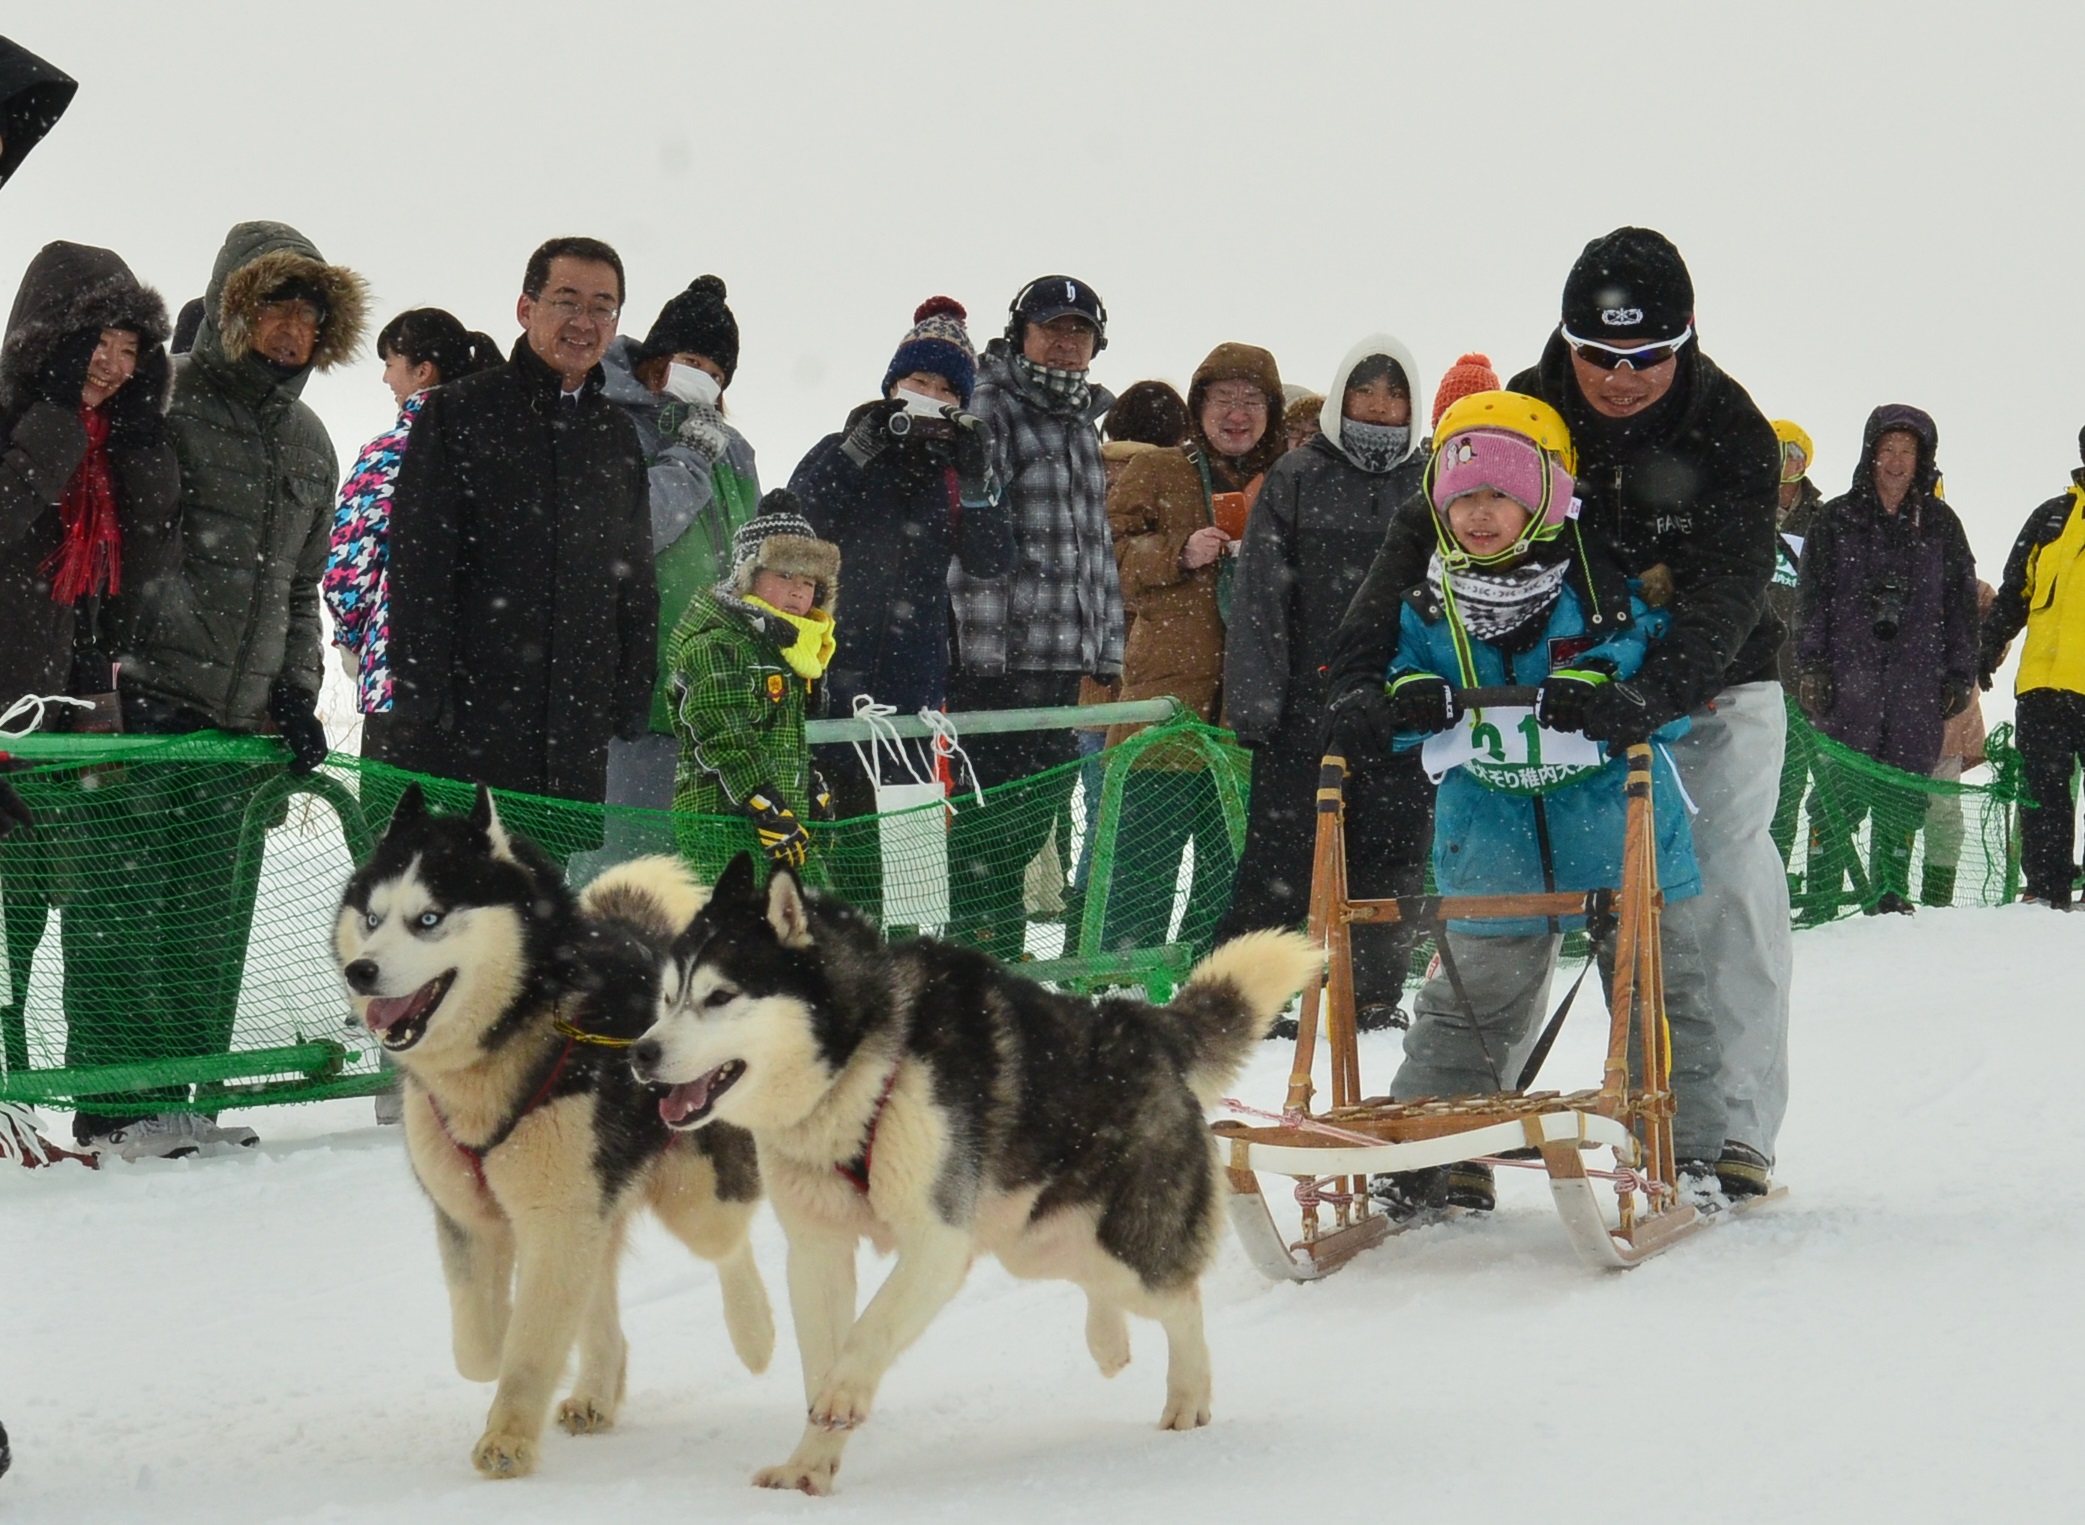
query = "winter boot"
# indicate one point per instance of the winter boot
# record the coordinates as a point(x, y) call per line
point(1380, 1016)
point(1891, 904)
point(1403, 1195)
point(1470, 1186)
point(1699, 1187)
point(1743, 1171)
point(1937, 885)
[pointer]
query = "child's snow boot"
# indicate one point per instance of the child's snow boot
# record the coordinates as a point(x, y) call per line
point(1404, 1194)
point(1744, 1171)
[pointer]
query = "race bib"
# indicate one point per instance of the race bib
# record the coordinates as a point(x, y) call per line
point(1787, 554)
point(1508, 749)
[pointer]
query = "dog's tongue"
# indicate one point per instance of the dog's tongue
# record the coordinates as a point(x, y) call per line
point(386, 1012)
point(686, 1100)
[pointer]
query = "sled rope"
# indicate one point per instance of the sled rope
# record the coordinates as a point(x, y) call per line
point(1626, 1178)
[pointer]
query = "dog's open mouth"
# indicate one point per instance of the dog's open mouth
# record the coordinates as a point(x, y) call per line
point(400, 1021)
point(689, 1105)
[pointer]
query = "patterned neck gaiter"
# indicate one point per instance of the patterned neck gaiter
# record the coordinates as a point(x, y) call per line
point(1374, 447)
point(1063, 391)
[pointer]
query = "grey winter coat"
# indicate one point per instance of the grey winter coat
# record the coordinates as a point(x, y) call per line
point(258, 476)
point(1887, 692)
point(72, 289)
point(1313, 534)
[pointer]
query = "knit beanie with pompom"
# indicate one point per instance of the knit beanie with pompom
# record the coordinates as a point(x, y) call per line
point(937, 343)
point(1469, 375)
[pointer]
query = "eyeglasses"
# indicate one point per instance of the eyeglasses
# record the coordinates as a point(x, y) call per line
point(569, 311)
point(1239, 402)
point(1641, 358)
point(294, 310)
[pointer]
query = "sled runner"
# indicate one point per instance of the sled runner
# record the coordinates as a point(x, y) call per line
point(1332, 1153)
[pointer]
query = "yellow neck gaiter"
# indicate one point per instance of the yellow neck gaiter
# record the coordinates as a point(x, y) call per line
point(814, 645)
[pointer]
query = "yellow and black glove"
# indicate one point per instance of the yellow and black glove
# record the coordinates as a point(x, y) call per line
point(782, 835)
point(823, 810)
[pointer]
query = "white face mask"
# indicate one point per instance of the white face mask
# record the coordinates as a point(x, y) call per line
point(919, 403)
point(684, 383)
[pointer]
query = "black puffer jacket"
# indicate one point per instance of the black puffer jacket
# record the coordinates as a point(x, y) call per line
point(1689, 485)
point(524, 609)
point(73, 290)
point(33, 95)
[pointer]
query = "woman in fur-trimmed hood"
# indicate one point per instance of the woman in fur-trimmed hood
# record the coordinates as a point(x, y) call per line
point(87, 481)
point(234, 641)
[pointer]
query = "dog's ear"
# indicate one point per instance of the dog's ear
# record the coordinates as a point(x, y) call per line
point(411, 807)
point(736, 884)
point(785, 909)
point(485, 815)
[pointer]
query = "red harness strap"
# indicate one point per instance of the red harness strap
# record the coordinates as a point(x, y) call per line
point(475, 1158)
point(857, 1175)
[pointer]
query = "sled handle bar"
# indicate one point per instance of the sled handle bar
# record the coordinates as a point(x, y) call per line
point(1502, 696)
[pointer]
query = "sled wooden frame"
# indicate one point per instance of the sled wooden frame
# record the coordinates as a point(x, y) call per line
point(1333, 1153)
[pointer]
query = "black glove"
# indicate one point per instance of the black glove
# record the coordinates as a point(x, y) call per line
point(54, 440)
point(822, 807)
point(13, 812)
point(1424, 703)
point(782, 835)
point(1565, 695)
point(1985, 672)
point(64, 376)
point(1622, 714)
point(1358, 724)
point(137, 414)
point(1814, 693)
point(871, 435)
point(970, 452)
point(1954, 698)
point(295, 714)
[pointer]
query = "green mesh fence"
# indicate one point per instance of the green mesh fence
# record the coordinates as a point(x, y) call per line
point(168, 920)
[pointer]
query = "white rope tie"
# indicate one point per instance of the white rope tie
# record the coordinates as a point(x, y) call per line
point(33, 705)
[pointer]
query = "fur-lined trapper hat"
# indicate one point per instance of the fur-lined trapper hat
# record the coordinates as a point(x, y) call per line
point(780, 539)
point(69, 288)
point(258, 260)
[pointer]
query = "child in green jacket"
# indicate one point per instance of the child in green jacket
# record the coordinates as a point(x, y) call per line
point(746, 660)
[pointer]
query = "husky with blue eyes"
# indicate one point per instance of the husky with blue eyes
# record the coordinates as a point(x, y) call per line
point(509, 1005)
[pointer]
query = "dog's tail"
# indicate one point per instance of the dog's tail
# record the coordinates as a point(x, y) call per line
point(655, 896)
point(1233, 997)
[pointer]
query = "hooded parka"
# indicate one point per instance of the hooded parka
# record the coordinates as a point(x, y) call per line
point(1887, 691)
point(258, 474)
point(1176, 646)
point(33, 95)
point(72, 289)
point(524, 606)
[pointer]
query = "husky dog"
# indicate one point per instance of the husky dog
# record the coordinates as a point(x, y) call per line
point(510, 1007)
point(922, 1097)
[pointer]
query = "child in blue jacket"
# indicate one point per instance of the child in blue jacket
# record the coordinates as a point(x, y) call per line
point(1527, 804)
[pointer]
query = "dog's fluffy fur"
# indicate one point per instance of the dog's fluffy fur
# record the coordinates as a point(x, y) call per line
point(463, 949)
point(985, 1113)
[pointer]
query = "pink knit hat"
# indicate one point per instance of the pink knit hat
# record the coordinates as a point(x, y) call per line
point(1507, 463)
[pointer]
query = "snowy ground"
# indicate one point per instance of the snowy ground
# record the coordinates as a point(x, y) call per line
point(265, 1338)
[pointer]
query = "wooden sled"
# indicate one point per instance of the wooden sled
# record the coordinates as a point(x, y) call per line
point(1332, 1153)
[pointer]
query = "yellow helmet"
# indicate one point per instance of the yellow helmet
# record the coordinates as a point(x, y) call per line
point(1515, 411)
point(1789, 432)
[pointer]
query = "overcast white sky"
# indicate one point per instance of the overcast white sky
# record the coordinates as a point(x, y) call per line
point(1879, 202)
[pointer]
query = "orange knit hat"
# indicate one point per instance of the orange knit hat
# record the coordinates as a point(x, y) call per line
point(1468, 376)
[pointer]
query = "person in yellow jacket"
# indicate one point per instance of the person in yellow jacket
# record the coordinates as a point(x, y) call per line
point(2044, 590)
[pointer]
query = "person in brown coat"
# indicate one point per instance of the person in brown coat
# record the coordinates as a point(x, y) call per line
point(1177, 515)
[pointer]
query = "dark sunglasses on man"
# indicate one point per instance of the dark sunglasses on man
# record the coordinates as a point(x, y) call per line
point(1640, 358)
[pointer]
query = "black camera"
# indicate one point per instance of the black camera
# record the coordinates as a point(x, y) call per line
point(927, 426)
point(1888, 597)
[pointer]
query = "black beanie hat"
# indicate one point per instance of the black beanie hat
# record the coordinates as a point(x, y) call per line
point(696, 322)
point(1630, 286)
point(2081, 444)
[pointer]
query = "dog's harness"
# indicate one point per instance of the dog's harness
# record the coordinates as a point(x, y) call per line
point(856, 1172)
point(475, 1156)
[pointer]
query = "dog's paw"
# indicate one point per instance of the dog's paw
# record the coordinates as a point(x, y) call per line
point(1107, 1337)
point(842, 1404)
point(585, 1416)
point(502, 1456)
point(1185, 1411)
point(814, 1478)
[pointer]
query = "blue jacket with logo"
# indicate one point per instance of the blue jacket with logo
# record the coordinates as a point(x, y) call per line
point(1488, 841)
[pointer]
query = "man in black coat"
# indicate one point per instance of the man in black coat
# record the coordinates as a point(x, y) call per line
point(524, 614)
point(1678, 470)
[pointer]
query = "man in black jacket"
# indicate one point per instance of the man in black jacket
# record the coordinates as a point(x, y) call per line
point(1678, 470)
point(524, 611)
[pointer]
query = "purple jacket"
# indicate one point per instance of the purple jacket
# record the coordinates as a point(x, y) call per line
point(1863, 566)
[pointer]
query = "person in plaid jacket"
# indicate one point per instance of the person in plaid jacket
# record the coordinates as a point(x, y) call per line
point(746, 662)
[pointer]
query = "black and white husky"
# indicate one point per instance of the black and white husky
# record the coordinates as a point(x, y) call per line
point(492, 988)
point(923, 1097)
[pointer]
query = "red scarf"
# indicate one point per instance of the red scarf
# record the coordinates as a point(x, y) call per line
point(90, 557)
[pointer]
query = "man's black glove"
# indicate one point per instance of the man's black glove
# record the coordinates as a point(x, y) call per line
point(1565, 696)
point(13, 812)
point(871, 435)
point(782, 835)
point(295, 714)
point(137, 413)
point(822, 807)
point(1424, 703)
point(63, 378)
point(970, 452)
point(1358, 725)
point(1622, 714)
point(1954, 697)
point(1984, 675)
point(1813, 691)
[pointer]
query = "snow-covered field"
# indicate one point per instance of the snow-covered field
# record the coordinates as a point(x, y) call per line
point(265, 1338)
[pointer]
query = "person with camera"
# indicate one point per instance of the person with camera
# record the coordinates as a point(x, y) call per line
point(906, 490)
point(1886, 603)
